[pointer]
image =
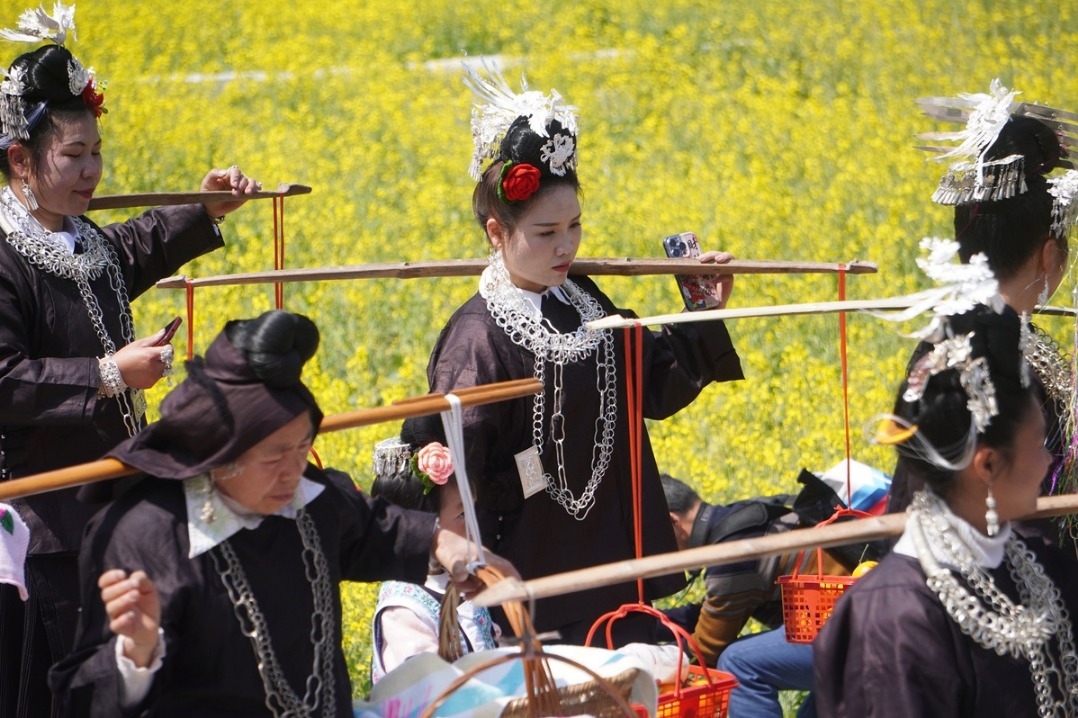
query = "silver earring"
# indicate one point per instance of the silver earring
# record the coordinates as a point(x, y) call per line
point(991, 518)
point(31, 200)
point(1042, 298)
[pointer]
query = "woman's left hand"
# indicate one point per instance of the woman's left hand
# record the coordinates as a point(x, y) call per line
point(233, 179)
point(724, 283)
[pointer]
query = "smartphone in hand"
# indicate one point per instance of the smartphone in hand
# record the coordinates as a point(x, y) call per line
point(170, 330)
point(698, 290)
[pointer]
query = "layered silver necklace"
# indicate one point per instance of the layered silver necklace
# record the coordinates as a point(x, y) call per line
point(47, 253)
point(988, 616)
point(517, 317)
point(281, 699)
point(1053, 368)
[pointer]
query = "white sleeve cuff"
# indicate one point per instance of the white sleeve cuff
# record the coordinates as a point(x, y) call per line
point(135, 682)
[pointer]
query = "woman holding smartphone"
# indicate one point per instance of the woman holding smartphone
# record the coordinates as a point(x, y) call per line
point(552, 474)
point(71, 369)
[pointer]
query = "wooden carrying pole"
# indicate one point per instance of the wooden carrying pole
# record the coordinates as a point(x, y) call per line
point(416, 406)
point(835, 534)
point(614, 266)
point(161, 199)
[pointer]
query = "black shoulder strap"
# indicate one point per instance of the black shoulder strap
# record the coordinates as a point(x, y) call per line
point(749, 514)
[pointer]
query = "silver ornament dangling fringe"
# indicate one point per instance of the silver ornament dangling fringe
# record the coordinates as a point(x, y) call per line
point(991, 518)
point(1042, 298)
point(31, 200)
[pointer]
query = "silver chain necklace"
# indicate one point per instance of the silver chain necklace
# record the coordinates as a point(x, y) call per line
point(514, 314)
point(1053, 368)
point(989, 617)
point(43, 251)
point(281, 699)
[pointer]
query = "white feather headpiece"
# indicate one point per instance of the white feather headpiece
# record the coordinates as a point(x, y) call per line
point(988, 113)
point(971, 178)
point(502, 106)
point(39, 26)
point(1063, 188)
point(961, 288)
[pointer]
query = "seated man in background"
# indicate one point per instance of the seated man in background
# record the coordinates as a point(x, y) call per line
point(763, 663)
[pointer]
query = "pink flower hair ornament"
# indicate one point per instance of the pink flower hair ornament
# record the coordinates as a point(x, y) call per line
point(432, 465)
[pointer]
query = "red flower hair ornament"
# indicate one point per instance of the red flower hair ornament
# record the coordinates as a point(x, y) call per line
point(519, 181)
point(94, 100)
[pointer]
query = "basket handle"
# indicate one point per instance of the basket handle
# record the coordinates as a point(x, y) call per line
point(475, 670)
point(680, 635)
point(840, 511)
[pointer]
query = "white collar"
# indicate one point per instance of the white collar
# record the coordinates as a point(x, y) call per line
point(229, 518)
point(535, 299)
point(987, 551)
point(65, 237)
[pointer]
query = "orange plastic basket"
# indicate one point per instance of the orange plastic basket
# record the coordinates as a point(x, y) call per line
point(807, 601)
point(707, 696)
point(705, 693)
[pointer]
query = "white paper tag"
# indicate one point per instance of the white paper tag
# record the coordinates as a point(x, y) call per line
point(530, 468)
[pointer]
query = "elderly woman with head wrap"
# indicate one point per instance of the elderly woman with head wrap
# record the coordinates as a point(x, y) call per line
point(211, 587)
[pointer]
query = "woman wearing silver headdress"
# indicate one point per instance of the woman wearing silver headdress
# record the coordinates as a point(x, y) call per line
point(1010, 207)
point(964, 618)
point(71, 369)
point(553, 474)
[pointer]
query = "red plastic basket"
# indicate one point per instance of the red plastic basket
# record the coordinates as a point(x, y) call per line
point(807, 601)
point(707, 694)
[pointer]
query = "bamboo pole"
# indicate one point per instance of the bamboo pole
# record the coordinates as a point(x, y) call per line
point(616, 321)
point(1050, 311)
point(836, 534)
point(160, 199)
point(611, 266)
point(415, 406)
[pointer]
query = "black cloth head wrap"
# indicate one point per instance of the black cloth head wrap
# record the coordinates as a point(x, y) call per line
point(219, 411)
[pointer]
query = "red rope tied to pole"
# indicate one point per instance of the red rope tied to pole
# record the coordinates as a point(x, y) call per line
point(845, 379)
point(190, 289)
point(278, 248)
point(634, 394)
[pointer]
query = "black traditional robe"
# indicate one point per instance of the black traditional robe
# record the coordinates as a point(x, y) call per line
point(890, 649)
point(537, 534)
point(50, 412)
point(210, 668)
point(51, 416)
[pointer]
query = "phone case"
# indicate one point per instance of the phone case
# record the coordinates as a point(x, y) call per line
point(170, 331)
point(698, 290)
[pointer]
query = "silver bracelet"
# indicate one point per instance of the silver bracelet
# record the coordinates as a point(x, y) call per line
point(112, 381)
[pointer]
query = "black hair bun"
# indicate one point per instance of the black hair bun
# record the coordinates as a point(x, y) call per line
point(522, 144)
point(419, 431)
point(1032, 139)
point(46, 76)
point(276, 344)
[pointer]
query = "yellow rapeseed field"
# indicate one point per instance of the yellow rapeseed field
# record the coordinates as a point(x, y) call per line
point(773, 129)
